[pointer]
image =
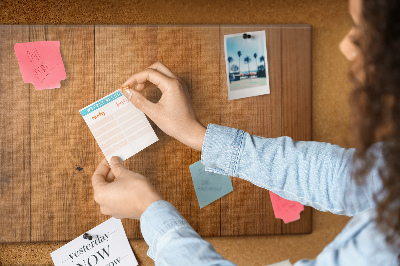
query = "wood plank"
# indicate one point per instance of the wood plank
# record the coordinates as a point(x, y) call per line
point(62, 146)
point(120, 52)
point(274, 49)
point(205, 95)
point(15, 156)
point(247, 211)
point(296, 100)
point(182, 49)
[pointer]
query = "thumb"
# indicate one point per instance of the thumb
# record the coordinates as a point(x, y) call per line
point(138, 100)
point(99, 176)
point(116, 166)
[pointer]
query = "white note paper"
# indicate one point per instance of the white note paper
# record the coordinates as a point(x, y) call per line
point(109, 246)
point(118, 126)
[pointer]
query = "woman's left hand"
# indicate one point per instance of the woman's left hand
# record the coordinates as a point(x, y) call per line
point(120, 192)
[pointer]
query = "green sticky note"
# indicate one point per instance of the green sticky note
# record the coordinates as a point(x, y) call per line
point(209, 186)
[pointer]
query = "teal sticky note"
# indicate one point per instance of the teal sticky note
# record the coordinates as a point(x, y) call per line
point(209, 186)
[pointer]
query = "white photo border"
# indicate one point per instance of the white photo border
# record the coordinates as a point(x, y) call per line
point(247, 92)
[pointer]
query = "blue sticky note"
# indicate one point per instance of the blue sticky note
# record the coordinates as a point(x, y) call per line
point(209, 186)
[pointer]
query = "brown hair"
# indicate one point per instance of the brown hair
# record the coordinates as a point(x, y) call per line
point(375, 103)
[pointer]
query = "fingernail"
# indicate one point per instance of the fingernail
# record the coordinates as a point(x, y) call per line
point(115, 160)
point(125, 88)
point(129, 92)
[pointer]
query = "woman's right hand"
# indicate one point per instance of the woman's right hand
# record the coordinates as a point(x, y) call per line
point(173, 113)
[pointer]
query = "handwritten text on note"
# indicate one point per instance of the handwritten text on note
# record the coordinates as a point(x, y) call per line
point(41, 63)
point(209, 186)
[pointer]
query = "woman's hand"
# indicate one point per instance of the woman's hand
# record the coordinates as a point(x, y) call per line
point(173, 113)
point(122, 193)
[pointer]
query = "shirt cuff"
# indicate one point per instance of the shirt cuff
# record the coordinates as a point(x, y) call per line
point(158, 219)
point(221, 150)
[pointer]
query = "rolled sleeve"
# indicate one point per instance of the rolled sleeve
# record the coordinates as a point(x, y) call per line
point(313, 173)
point(221, 149)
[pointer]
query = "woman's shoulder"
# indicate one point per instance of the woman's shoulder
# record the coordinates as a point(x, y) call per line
point(362, 240)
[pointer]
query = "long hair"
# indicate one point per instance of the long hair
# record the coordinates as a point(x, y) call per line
point(375, 104)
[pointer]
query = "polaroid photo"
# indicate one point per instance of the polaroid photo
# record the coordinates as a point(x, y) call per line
point(246, 64)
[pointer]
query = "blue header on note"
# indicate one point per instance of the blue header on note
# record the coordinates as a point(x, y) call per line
point(100, 103)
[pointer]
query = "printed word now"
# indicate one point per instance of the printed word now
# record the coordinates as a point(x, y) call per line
point(94, 258)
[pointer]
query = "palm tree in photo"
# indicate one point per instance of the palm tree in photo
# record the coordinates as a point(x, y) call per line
point(262, 59)
point(239, 54)
point(230, 60)
point(247, 60)
point(234, 68)
point(255, 57)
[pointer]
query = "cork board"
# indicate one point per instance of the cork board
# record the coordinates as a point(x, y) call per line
point(48, 154)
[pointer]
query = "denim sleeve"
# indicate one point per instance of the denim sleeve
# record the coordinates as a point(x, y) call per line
point(313, 173)
point(172, 241)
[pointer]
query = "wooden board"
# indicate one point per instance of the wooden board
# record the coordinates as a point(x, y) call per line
point(48, 154)
point(15, 145)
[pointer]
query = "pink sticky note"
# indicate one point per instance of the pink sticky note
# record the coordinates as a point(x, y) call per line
point(284, 209)
point(41, 63)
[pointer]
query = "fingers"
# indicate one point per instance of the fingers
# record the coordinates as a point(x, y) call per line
point(147, 85)
point(100, 174)
point(117, 167)
point(110, 177)
point(140, 102)
point(157, 78)
point(160, 67)
point(157, 75)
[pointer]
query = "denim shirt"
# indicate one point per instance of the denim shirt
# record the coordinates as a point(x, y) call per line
point(312, 173)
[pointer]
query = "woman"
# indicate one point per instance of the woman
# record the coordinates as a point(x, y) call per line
point(360, 182)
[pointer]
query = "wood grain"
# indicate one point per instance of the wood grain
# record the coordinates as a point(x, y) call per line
point(52, 153)
point(296, 100)
point(184, 49)
point(61, 144)
point(15, 155)
point(258, 116)
point(204, 88)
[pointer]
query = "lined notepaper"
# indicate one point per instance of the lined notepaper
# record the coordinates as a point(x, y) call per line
point(118, 126)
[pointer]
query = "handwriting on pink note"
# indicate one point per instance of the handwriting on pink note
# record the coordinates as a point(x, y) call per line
point(284, 209)
point(41, 63)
